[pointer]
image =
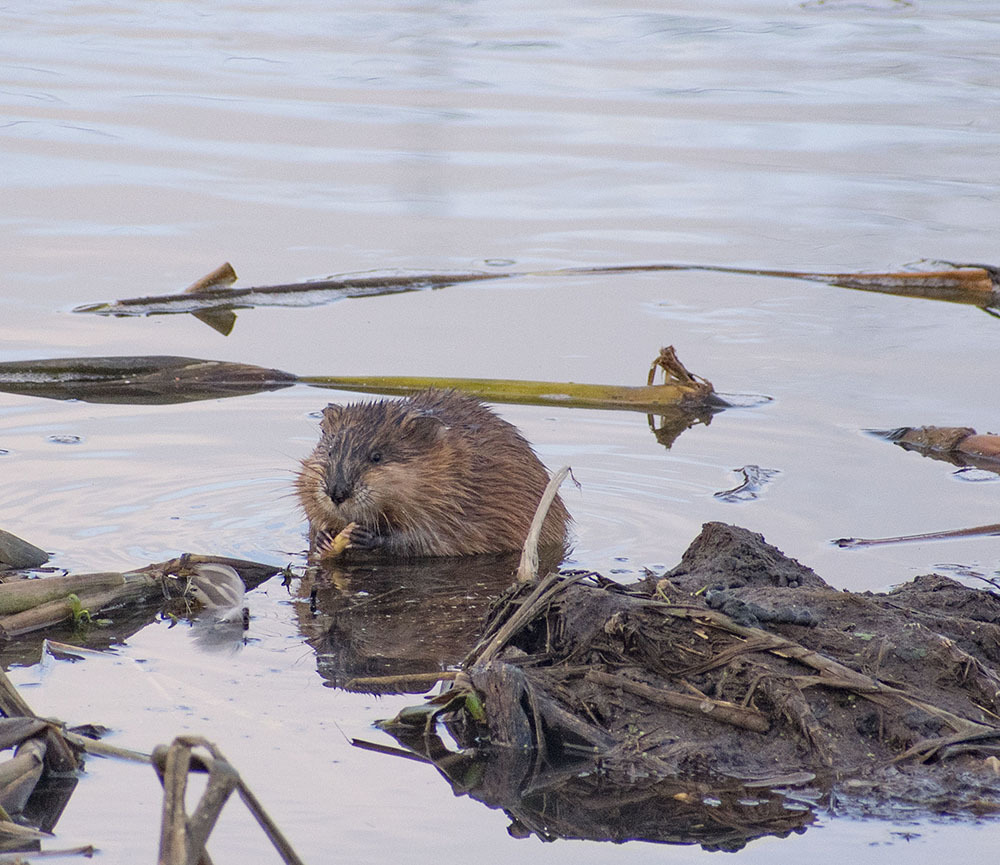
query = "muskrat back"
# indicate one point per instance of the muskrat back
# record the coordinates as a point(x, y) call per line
point(436, 474)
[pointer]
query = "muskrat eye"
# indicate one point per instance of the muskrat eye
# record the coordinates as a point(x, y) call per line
point(375, 457)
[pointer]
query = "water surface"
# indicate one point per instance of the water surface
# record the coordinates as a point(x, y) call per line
point(144, 144)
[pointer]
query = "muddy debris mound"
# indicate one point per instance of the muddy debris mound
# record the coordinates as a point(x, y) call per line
point(738, 676)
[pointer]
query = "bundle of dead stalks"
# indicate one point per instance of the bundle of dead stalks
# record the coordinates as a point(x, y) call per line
point(743, 667)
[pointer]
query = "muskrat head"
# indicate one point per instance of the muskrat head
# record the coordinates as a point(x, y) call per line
point(365, 451)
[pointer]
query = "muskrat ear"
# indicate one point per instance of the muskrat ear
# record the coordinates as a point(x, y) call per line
point(331, 417)
point(422, 428)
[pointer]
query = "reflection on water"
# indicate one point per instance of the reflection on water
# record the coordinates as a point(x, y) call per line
point(577, 800)
point(396, 619)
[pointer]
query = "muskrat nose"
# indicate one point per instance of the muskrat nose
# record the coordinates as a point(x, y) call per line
point(338, 489)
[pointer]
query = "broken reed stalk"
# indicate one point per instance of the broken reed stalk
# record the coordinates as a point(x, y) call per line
point(925, 749)
point(224, 274)
point(172, 379)
point(21, 595)
point(102, 749)
point(527, 570)
point(31, 605)
point(20, 774)
point(16, 831)
point(59, 756)
point(14, 730)
point(87, 851)
point(531, 607)
point(173, 828)
point(832, 674)
point(404, 681)
point(670, 395)
point(182, 836)
point(55, 612)
point(680, 389)
point(279, 842)
point(12, 704)
point(718, 710)
point(17, 553)
point(974, 284)
point(974, 531)
point(378, 748)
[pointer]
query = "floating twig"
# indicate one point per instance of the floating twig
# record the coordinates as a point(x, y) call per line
point(87, 851)
point(103, 749)
point(169, 379)
point(973, 284)
point(395, 684)
point(974, 531)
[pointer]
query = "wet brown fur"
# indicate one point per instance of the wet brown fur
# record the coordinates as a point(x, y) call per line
point(437, 474)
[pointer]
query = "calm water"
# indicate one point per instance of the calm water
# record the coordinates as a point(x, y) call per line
point(144, 144)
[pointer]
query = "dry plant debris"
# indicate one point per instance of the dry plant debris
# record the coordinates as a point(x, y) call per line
point(740, 668)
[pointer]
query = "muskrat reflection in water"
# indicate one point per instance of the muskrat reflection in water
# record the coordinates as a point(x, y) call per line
point(437, 474)
point(398, 618)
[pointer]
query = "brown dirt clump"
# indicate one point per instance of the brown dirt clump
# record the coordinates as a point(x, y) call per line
point(739, 670)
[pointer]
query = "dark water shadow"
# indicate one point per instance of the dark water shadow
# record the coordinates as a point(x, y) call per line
point(958, 459)
point(399, 618)
point(578, 799)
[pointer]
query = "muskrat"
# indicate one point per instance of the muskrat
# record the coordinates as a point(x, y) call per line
point(436, 474)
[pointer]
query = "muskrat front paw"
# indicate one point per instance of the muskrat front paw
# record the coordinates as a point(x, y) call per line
point(330, 546)
point(361, 538)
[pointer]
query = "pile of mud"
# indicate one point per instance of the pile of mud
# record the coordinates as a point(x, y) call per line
point(734, 697)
